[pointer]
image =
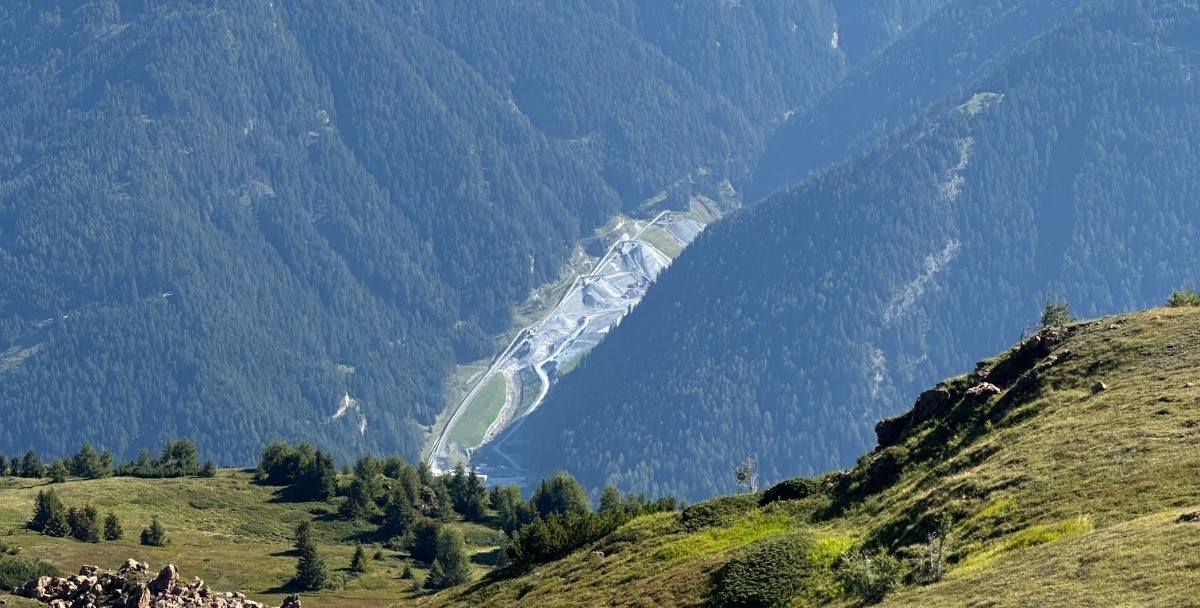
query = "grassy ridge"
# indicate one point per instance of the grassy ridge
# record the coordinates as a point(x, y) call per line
point(1066, 495)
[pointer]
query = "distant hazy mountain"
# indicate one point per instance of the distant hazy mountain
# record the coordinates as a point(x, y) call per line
point(243, 220)
point(785, 332)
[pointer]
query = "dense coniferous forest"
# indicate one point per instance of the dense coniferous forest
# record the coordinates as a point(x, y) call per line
point(227, 220)
point(1070, 170)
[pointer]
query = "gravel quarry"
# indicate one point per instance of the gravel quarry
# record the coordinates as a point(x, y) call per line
point(596, 302)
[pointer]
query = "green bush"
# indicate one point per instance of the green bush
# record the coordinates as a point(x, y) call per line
point(1184, 297)
point(769, 573)
point(717, 511)
point(796, 488)
point(16, 571)
point(869, 576)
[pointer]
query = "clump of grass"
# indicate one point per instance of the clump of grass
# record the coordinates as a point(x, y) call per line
point(1048, 533)
point(750, 528)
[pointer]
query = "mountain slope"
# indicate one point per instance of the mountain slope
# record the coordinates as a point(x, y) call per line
point(292, 219)
point(1056, 490)
point(784, 332)
point(1058, 493)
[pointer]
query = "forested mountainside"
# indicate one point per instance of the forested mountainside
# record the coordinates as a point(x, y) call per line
point(787, 330)
point(942, 55)
point(290, 219)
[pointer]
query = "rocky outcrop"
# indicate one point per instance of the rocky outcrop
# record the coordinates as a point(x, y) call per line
point(132, 587)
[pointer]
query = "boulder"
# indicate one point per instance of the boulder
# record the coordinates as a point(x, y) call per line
point(980, 393)
point(931, 404)
point(889, 431)
point(167, 580)
point(292, 601)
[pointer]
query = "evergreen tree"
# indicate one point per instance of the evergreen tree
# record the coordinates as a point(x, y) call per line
point(155, 535)
point(106, 463)
point(451, 564)
point(208, 470)
point(358, 563)
point(87, 463)
point(358, 503)
point(610, 499)
point(559, 493)
point(310, 568)
point(3, 465)
point(58, 471)
point(179, 459)
point(318, 480)
point(369, 470)
point(510, 509)
point(46, 506)
point(303, 537)
point(112, 527)
point(398, 514)
point(393, 465)
point(85, 524)
point(422, 541)
point(57, 523)
point(31, 466)
point(475, 498)
point(1056, 312)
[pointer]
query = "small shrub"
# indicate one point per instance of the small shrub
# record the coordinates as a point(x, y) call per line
point(869, 577)
point(1186, 296)
point(796, 488)
point(16, 571)
point(717, 511)
point(770, 573)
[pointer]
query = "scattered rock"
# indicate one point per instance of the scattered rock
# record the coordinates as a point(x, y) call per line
point(1189, 517)
point(124, 589)
point(1188, 385)
point(1099, 387)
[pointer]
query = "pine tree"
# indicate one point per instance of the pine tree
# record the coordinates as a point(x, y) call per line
point(112, 527)
point(49, 515)
point(310, 568)
point(610, 499)
point(85, 524)
point(422, 542)
point(88, 464)
point(31, 466)
point(358, 563)
point(42, 508)
point(3, 465)
point(59, 524)
point(318, 479)
point(208, 470)
point(303, 537)
point(451, 565)
point(398, 515)
point(358, 503)
point(58, 471)
point(559, 493)
point(155, 535)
